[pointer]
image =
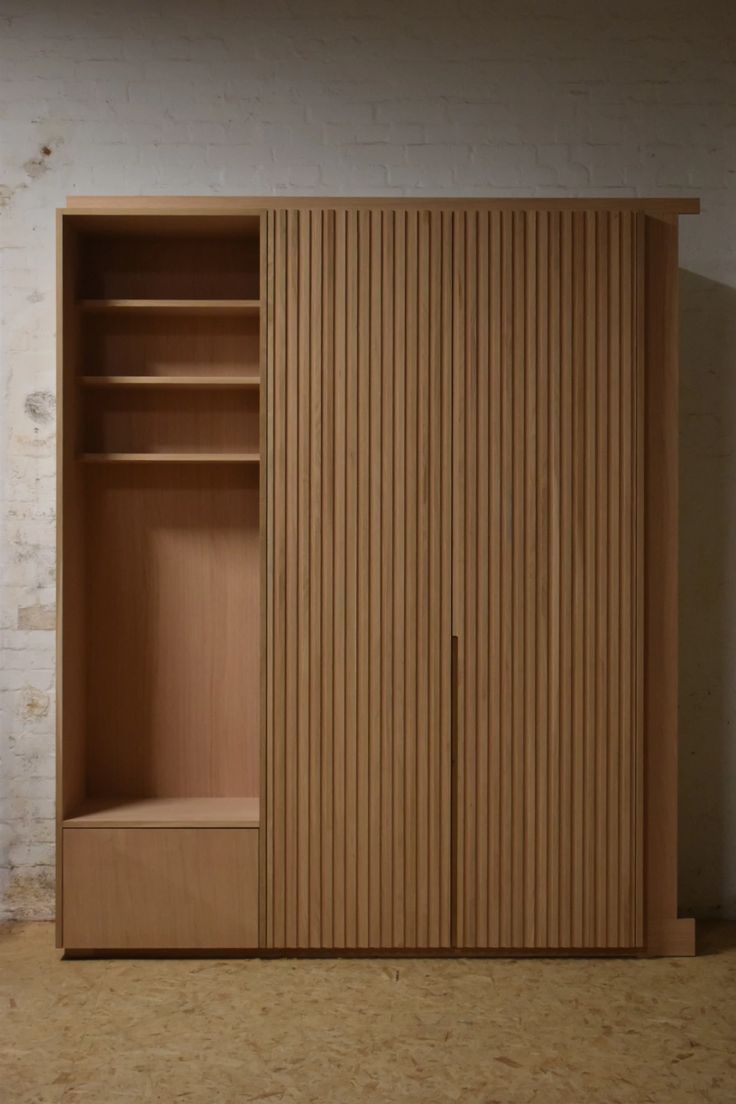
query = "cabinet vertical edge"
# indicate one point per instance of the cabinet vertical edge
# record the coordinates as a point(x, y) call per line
point(69, 570)
point(69, 661)
point(665, 933)
point(59, 931)
point(265, 499)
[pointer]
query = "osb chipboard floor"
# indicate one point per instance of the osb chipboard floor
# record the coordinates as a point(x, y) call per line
point(424, 1031)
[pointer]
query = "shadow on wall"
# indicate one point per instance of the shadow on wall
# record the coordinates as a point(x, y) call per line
point(707, 597)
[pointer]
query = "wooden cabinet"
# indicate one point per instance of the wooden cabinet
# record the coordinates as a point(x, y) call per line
point(368, 549)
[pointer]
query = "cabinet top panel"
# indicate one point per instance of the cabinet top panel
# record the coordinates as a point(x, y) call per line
point(201, 205)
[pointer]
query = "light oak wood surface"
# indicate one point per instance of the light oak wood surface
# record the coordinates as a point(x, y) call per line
point(170, 457)
point(173, 270)
point(171, 306)
point(264, 518)
point(159, 208)
point(158, 346)
point(162, 420)
point(70, 611)
point(666, 934)
point(160, 888)
point(164, 382)
point(170, 812)
point(445, 641)
point(358, 744)
point(547, 537)
point(159, 581)
point(172, 646)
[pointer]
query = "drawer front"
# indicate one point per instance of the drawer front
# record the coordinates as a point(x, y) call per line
point(160, 888)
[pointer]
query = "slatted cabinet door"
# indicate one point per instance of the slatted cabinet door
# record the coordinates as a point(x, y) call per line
point(547, 607)
point(357, 787)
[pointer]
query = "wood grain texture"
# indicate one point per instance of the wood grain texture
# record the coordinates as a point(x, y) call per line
point(665, 933)
point(171, 812)
point(264, 513)
point(357, 757)
point(156, 420)
point(252, 458)
point(70, 589)
point(468, 629)
point(177, 307)
point(160, 888)
point(172, 647)
point(159, 346)
point(173, 383)
point(548, 538)
point(169, 207)
point(127, 263)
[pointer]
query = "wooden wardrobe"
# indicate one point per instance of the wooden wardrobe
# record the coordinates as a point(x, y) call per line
point(368, 576)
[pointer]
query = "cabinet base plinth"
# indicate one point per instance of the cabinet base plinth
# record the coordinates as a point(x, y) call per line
point(673, 938)
point(159, 889)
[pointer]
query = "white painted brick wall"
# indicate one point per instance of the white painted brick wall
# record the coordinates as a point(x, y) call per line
point(333, 96)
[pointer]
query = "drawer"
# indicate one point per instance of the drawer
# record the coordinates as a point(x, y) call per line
point(160, 888)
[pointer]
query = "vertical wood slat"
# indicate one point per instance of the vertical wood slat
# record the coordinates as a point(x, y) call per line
point(547, 607)
point(339, 908)
point(536, 344)
point(358, 683)
point(458, 308)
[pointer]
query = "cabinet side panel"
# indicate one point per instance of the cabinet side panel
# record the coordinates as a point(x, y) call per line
point(665, 934)
point(548, 532)
point(70, 650)
point(358, 853)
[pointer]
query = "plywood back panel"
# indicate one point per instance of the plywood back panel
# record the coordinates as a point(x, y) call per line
point(140, 420)
point(172, 630)
point(169, 266)
point(357, 790)
point(547, 608)
point(142, 344)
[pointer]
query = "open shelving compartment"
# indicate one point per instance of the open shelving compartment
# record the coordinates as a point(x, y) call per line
point(160, 575)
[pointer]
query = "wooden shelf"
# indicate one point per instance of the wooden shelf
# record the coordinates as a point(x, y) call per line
point(223, 382)
point(170, 458)
point(172, 812)
point(172, 306)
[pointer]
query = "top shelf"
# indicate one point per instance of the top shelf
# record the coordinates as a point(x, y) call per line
point(172, 306)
